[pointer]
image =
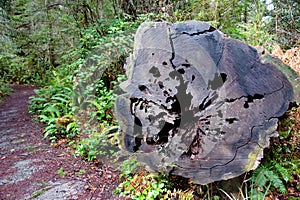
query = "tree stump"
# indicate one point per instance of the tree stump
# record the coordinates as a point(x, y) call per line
point(197, 103)
point(292, 75)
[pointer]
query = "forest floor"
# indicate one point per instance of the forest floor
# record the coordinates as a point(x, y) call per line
point(32, 168)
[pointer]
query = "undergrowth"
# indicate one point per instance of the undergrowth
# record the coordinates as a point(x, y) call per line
point(4, 90)
point(140, 184)
point(99, 144)
point(76, 105)
point(52, 105)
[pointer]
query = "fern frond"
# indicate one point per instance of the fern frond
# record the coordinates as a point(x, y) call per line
point(259, 177)
point(266, 174)
point(283, 172)
point(275, 180)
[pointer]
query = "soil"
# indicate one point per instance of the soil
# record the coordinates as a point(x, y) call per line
point(32, 168)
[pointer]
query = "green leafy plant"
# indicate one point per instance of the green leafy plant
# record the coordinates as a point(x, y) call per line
point(61, 172)
point(98, 144)
point(143, 185)
point(21, 70)
point(4, 90)
point(53, 106)
point(81, 172)
point(263, 179)
point(140, 185)
point(102, 103)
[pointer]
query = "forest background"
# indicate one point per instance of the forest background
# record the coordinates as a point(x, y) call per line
point(74, 50)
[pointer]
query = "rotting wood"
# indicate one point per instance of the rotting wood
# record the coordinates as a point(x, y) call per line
point(197, 103)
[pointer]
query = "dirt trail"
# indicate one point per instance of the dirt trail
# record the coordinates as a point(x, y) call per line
point(30, 168)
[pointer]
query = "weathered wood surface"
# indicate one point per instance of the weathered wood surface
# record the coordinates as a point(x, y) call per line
point(199, 104)
point(292, 76)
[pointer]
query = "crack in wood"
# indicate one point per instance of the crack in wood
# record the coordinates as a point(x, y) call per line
point(172, 48)
point(211, 29)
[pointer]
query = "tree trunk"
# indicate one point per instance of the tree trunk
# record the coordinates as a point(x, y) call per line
point(199, 104)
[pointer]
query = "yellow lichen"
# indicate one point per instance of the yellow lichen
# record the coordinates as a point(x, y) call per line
point(254, 159)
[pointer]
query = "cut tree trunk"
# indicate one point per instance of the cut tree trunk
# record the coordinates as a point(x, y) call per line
point(197, 103)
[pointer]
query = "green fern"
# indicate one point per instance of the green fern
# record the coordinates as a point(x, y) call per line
point(275, 181)
point(266, 175)
point(282, 171)
point(259, 177)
